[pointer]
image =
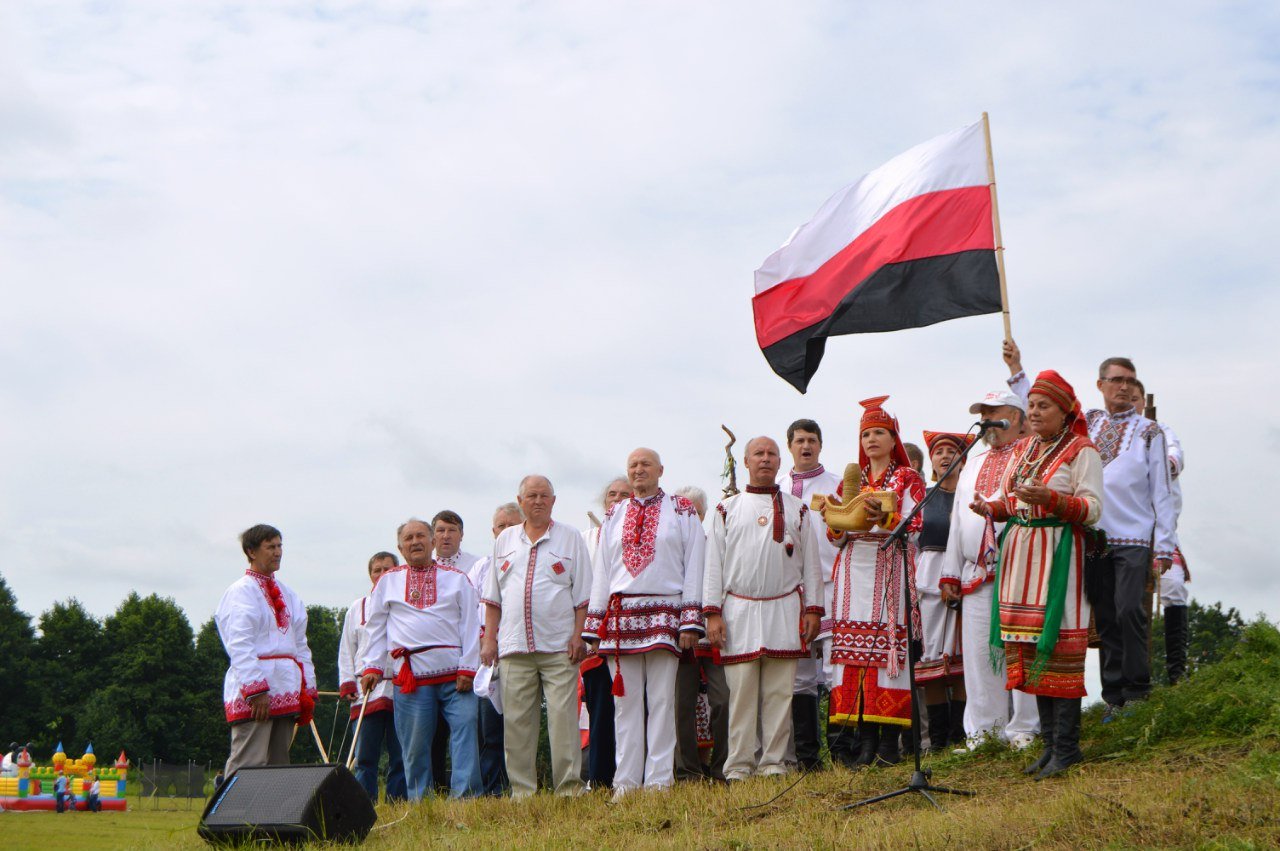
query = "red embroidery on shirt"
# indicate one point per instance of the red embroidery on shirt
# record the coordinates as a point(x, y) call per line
point(639, 532)
point(420, 586)
point(275, 600)
point(558, 567)
point(528, 597)
point(992, 470)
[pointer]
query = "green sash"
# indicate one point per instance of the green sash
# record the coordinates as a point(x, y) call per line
point(1055, 604)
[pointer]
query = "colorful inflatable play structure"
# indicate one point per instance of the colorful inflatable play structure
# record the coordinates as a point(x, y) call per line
point(26, 786)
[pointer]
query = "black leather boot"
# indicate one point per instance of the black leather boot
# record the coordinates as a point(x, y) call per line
point(1045, 706)
point(842, 742)
point(1066, 737)
point(868, 743)
point(957, 722)
point(1175, 642)
point(804, 727)
point(887, 752)
point(939, 726)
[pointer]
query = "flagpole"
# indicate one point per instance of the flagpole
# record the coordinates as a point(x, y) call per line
point(995, 223)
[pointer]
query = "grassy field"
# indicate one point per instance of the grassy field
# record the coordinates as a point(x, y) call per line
point(1197, 766)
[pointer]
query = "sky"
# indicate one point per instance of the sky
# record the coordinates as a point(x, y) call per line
point(330, 265)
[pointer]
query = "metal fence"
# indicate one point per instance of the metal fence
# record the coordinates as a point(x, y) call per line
point(172, 785)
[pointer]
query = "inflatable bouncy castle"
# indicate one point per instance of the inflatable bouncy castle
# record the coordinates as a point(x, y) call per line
point(26, 786)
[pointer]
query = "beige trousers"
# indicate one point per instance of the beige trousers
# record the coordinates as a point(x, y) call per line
point(260, 743)
point(526, 679)
point(759, 700)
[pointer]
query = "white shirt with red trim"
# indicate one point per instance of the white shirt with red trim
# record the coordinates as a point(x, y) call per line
point(825, 483)
point(351, 649)
point(761, 586)
point(969, 561)
point(651, 555)
point(429, 611)
point(463, 561)
point(267, 649)
point(538, 586)
point(1138, 505)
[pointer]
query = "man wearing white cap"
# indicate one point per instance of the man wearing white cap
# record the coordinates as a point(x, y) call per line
point(968, 571)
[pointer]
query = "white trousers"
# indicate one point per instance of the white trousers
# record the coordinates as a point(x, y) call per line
point(759, 699)
point(645, 721)
point(987, 706)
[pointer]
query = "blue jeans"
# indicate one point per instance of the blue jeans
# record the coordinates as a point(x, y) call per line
point(380, 727)
point(416, 715)
point(493, 763)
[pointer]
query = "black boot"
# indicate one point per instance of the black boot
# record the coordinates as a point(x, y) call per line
point(804, 728)
point(957, 722)
point(1066, 737)
point(842, 742)
point(908, 742)
point(1175, 642)
point(1045, 706)
point(868, 743)
point(887, 752)
point(939, 726)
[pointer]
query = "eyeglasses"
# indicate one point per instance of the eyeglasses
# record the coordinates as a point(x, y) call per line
point(1123, 380)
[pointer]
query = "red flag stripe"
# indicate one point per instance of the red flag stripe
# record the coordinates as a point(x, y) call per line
point(928, 225)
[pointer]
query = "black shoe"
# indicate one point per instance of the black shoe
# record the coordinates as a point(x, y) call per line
point(887, 752)
point(842, 743)
point(939, 726)
point(1066, 737)
point(1175, 642)
point(868, 743)
point(1045, 706)
point(804, 728)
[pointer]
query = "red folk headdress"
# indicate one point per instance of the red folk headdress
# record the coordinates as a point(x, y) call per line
point(1052, 385)
point(961, 441)
point(874, 416)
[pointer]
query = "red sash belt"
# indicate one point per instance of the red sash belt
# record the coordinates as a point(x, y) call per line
point(306, 703)
point(404, 677)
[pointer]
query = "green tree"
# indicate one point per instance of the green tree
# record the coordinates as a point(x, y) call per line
point(211, 740)
point(69, 660)
point(148, 704)
point(19, 710)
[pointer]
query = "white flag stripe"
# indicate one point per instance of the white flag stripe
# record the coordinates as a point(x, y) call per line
point(951, 161)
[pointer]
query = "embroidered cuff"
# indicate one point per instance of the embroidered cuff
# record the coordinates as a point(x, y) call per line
point(949, 582)
point(347, 689)
point(711, 610)
point(463, 672)
point(254, 689)
point(815, 610)
point(697, 629)
point(368, 671)
point(691, 616)
point(592, 625)
point(493, 603)
point(999, 511)
point(1020, 375)
point(1165, 554)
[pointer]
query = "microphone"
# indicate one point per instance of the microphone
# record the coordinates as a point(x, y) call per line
point(986, 425)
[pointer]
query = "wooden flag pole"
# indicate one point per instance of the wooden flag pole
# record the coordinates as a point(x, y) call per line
point(351, 757)
point(995, 223)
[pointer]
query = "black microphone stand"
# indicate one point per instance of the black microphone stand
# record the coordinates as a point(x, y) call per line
point(919, 777)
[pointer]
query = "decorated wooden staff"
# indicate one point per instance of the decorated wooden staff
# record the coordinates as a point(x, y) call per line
point(351, 756)
point(730, 465)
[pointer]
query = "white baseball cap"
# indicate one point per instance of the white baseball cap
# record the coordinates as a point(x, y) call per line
point(1000, 397)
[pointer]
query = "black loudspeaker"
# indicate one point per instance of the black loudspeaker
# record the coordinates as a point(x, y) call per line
point(288, 803)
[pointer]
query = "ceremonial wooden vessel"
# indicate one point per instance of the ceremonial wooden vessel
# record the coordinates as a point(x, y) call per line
point(851, 515)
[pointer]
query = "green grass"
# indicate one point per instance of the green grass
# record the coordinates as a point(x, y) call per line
point(1197, 766)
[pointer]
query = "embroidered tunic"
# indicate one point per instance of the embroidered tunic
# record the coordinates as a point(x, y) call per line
point(647, 576)
point(538, 585)
point(818, 481)
point(351, 650)
point(759, 584)
point(940, 655)
point(425, 618)
point(267, 648)
point(869, 638)
point(1139, 508)
point(969, 559)
point(1030, 541)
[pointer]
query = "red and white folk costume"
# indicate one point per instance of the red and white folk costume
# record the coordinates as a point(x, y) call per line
point(351, 651)
point(813, 673)
point(1043, 614)
point(969, 565)
point(425, 619)
point(646, 590)
point(263, 626)
point(869, 638)
point(762, 574)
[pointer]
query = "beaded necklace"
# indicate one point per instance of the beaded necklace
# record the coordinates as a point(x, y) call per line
point(1029, 465)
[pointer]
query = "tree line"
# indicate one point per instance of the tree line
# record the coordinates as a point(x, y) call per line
point(143, 680)
point(140, 679)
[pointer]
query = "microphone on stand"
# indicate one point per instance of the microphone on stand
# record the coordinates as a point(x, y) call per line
point(987, 425)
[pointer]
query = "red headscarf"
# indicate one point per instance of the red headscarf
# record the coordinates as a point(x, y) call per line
point(1049, 383)
point(874, 416)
